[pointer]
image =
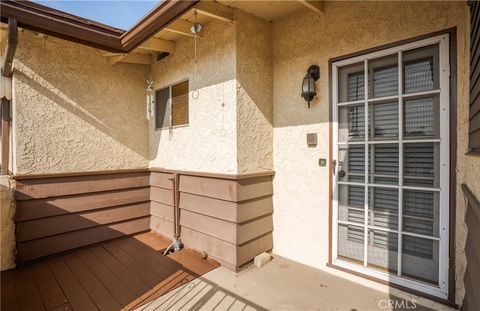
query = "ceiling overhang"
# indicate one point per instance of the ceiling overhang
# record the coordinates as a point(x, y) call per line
point(39, 18)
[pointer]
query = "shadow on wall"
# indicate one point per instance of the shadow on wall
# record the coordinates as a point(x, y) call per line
point(234, 112)
point(211, 112)
point(69, 97)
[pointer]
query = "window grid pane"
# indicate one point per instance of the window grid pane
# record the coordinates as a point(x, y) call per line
point(412, 164)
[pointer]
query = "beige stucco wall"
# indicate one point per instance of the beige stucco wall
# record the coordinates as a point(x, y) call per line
point(230, 123)
point(468, 166)
point(301, 198)
point(208, 143)
point(73, 111)
point(254, 93)
point(7, 227)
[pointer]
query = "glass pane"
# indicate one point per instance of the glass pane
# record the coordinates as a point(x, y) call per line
point(351, 163)
point(421, 69)
point(382, 250)
point(351, 83)
point(384, 124)
point(162, 109)
point(421, 117)
point(421, 164)
point(383, 209)
point(351, 242)
point(180, 103)
point(351, 123)
point(383, 76)
point(421, 212)
point(383, 166)
point(351, 203)
point(420, 259)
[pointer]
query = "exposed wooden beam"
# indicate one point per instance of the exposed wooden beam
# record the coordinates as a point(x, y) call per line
point(215, 10)
point(315, 5)
point(162, 15)
point(10, 48)
point(180, 27)
point(132, 58)
point(108, 54)
point(158, 45)
point(115, 59)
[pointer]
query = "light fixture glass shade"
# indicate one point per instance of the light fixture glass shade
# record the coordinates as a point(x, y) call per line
point(308, 88)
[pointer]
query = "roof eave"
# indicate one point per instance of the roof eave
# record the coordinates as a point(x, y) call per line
point(59, 24)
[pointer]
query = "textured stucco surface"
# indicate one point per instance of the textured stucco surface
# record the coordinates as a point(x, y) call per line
point(7, 209)
point(301, 196)
point(73, 111)
point(254, 94)
point(468, 167)
point(209, 142)
point(230, 123)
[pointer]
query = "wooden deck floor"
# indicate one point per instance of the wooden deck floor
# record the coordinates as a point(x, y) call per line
point(121, 274)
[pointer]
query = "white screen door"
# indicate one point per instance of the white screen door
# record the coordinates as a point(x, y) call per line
point(391, 172)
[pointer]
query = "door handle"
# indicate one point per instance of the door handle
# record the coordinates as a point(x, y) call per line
point(334, 166)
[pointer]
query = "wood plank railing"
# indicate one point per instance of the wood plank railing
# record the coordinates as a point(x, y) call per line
point(60, 212)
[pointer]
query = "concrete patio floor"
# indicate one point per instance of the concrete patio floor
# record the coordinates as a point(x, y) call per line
point(286, 285)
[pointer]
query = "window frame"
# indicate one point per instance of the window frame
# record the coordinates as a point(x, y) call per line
point(441, 291)
point(169, 103)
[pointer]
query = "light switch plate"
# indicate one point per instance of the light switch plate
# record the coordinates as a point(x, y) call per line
point(322, 162)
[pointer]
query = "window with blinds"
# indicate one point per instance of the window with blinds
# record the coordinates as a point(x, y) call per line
point(474, 103)
point(171, 106)
point(388, 195)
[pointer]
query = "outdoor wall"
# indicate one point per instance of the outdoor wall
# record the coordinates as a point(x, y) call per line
point(209, 142)
point(301, 192)
point(254, 93)
point(73, 111)
point(468, 166)
point(230, 123)
point(7, 204)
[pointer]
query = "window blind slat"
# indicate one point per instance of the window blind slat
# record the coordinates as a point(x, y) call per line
point(418, 75)
point(355, 86)
point(385, 81)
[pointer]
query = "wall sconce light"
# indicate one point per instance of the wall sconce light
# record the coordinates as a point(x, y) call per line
point(308, 84)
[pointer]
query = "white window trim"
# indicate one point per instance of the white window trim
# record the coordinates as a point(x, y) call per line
point(440, 291)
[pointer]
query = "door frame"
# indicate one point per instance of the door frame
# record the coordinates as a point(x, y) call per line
point(451, 32)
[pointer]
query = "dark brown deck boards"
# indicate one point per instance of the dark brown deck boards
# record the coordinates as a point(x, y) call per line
point(8, 297)
point(76, 295)
point(27, 293)
point(128, 277)
point(52, 294)
point(154, 240)
point(122, 293)
point(121, 274)
point(100, 295)
point(134, 265)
